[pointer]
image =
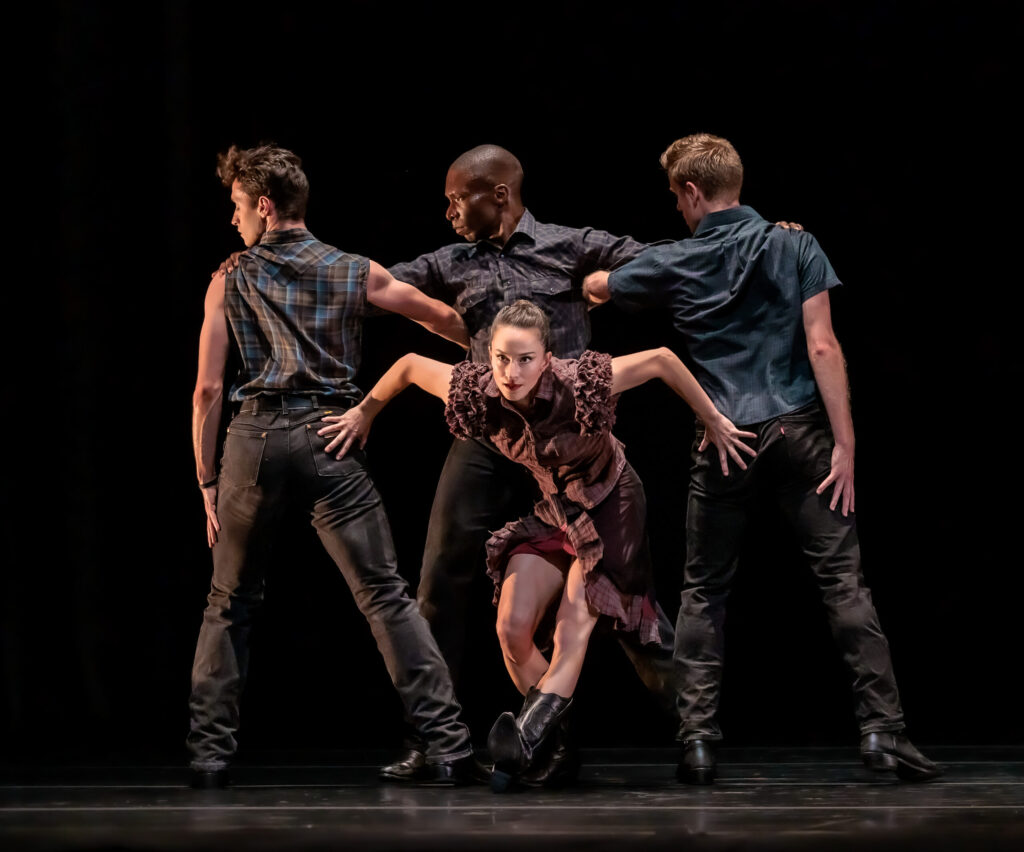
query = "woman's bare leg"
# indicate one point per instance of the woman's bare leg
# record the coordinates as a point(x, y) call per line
point(531, 584)
point(573, 625)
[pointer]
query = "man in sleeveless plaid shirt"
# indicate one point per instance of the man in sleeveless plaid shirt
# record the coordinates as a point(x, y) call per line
point(295, 306)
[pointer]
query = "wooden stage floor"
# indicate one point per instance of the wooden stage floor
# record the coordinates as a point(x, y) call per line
point(765, 799)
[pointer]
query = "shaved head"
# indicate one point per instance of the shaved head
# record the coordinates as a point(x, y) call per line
point(491, 165)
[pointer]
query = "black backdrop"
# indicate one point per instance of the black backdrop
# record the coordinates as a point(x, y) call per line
point(883, 128)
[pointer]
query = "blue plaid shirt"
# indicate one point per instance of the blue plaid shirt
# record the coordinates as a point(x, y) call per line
point(543, 263)
point(295, 306)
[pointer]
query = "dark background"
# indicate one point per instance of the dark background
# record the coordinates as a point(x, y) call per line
point(888, 130)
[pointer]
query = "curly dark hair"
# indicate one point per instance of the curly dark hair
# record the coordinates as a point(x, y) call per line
point(267, 170)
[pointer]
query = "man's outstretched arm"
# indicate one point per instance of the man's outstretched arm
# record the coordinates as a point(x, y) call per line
point(208, 399)
point(387, 292)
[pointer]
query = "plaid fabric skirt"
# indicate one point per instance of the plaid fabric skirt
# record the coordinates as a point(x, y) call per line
point(610, 542)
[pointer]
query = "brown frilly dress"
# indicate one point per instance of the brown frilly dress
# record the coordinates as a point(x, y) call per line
point(589, 492)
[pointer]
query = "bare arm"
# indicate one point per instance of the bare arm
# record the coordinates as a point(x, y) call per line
point(632, 370)
point(829, 368)
point(433, 376)
point(208, 398)
point(387, 292)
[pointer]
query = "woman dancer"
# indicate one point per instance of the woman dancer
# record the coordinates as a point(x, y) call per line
point(582, 553)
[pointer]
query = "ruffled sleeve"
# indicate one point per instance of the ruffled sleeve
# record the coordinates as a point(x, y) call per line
point(592, 388)
point(466, 406)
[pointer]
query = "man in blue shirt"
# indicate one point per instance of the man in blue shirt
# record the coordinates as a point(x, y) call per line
point(751, 303)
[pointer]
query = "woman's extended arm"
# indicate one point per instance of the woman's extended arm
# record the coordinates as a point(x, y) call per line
point(433, 376)
point(629, 371)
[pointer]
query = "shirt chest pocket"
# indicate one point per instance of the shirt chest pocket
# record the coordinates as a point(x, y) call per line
point(474, 304)
point(544, 290)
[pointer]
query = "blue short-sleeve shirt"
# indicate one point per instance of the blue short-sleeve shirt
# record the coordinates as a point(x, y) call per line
point(735, 291)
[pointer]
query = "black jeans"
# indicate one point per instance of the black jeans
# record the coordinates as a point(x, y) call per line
point(794, 457)
point(479, 491)
point(273, 459)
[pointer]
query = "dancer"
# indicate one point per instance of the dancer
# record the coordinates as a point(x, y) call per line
point(504, 254)
point(583, 550)
point(295, 308)
point(758, 330)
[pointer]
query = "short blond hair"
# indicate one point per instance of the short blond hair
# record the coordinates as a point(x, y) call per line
point(710, 162)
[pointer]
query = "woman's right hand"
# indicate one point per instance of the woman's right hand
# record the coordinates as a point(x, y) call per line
point(354, 425)
point(721, 432)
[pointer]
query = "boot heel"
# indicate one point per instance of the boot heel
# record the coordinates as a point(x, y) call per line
point(879, 761)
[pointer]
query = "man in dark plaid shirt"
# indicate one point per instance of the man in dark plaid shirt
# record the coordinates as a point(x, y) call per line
point(295, 307)
point(507, 255)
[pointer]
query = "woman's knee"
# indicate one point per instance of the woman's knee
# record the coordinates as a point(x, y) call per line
point(515, 634)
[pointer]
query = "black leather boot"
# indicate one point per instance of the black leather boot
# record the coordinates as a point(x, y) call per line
point(514, 740)
point(697, 763)
point(887, 751)
point(558, 762)
point(410, 768)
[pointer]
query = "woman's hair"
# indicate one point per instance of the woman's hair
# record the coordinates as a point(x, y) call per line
point(524, 314)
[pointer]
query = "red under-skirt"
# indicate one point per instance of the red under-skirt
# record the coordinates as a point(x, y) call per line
point(610, 542)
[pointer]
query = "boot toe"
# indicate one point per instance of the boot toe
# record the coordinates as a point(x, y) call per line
point(893, 752)
point(410, 768)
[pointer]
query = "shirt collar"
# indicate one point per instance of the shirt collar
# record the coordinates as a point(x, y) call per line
point(724, 217)
point(526, 229)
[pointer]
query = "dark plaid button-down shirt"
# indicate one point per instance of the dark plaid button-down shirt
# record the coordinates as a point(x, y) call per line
point(543, 263)
point(295, 306)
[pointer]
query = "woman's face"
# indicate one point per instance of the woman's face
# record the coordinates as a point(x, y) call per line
point(518, 359)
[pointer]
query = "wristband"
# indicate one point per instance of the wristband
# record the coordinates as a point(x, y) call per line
point(209, 482)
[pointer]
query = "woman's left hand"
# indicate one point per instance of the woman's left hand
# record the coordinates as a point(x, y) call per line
point(727, 438)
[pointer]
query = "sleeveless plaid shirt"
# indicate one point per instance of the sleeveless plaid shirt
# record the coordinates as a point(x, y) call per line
point(295, 306)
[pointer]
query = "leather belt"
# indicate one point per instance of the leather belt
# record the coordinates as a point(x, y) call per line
point(291, 402)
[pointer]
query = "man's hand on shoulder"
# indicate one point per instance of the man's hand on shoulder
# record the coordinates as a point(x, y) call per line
point(230, 264)
point(790, 226)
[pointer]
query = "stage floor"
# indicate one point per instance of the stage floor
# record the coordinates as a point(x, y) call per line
point(765, 799)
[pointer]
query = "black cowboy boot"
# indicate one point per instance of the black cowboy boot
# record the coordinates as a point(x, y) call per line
point(891, 751)
point(514, 740)
point(558, 764)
